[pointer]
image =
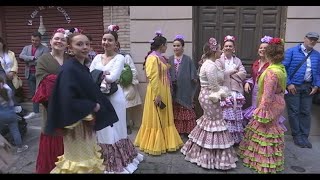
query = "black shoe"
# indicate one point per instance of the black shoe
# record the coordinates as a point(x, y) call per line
point(307, 142)
point(299, 142)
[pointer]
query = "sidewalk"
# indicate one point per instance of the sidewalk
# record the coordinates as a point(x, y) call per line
point(174, 163)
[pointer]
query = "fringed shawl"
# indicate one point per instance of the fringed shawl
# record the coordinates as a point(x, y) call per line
point(281, 73)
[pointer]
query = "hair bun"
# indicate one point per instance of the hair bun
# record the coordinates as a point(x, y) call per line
point(114, 28)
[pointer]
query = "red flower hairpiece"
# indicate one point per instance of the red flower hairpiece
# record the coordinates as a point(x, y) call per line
point(277, 41)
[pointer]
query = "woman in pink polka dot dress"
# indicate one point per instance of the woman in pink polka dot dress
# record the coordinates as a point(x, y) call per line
point(210, 144)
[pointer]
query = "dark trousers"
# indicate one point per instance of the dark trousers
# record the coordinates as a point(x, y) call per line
point(299, 110)
point(32, 85)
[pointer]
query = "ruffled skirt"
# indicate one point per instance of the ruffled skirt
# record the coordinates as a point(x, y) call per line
point(121, 157)
point(50, 147)
point(262, 147)
point(232, 113)
point(184, 118)
point(81, 155)
point(210, 143)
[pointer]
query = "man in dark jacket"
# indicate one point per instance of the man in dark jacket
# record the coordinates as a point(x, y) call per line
point(302, 63)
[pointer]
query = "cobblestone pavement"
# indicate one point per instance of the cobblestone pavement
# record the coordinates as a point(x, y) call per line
point(174, 163)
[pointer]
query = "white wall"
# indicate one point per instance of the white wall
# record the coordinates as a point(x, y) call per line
point(300, 21)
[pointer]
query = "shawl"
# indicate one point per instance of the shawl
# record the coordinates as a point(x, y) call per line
point(74, 97)
point(162, 59)
point(44, 89)
point(255, 70)
point(281, 73)
point(186, 88)
point(46, 64)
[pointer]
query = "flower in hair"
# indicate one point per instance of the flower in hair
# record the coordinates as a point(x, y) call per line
point(213, 41)
point(158, 33)
point(277, 41)
point(179, 37)
point(75, 30)
point(266, 39)
point(213, 44)
point(229, 38)
point(67, 33)
point(113, 28)
point(60, 30)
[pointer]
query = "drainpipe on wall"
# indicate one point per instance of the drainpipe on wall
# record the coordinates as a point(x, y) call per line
point(111, 14)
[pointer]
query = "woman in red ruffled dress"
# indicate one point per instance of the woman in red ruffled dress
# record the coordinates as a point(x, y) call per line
point(50, 147)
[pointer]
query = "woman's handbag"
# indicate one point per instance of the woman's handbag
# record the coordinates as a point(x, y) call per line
point(17, 82)
point(113, 88)
point(126, 76)
point(129, 92)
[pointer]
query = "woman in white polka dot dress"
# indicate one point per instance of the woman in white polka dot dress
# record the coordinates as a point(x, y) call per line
point(210, 143)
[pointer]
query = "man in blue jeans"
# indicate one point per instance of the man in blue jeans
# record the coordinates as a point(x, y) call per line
point(29, 55)
point(302, 64)
point(8, 115)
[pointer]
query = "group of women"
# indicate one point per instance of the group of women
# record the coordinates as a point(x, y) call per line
point(258, 130)
point(85, 130)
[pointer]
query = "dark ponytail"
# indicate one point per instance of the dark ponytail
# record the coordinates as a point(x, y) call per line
point(157, 42)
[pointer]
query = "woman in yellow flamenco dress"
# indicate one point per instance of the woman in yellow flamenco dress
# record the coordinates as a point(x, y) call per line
point(157, 133)
point(77, 109)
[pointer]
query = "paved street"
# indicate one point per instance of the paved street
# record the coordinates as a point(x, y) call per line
point(174, 163)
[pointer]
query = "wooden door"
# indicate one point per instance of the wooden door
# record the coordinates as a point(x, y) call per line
point(247, 23)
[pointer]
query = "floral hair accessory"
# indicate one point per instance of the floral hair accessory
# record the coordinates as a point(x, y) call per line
point(60, 30)
point(114, 28)
point(229, 38)
point(213, 44)
point(179, 37)
point(266, 39)
point(277, 41)
point(68, 32)
point(158, 33)
point(75, 30)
